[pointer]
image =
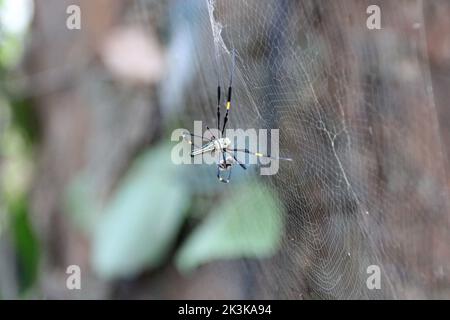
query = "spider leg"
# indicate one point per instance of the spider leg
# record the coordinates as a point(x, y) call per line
point(212, 135)
point(194, 144)
point(185, 134)
point(221, 179)
point(218, 66)
point(258, 154)
point(218, 106)
point(243, 166)
point(207, 147)
point(228, 105)
point(194, 152)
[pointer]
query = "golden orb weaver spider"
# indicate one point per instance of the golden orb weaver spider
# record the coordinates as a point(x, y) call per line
point(222, 144)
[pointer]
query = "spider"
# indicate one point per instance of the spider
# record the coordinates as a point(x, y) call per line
point(222, 144)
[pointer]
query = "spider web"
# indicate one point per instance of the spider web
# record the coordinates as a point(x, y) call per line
point(356, 112)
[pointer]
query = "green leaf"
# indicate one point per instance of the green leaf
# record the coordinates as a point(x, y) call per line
point(247, 224)
point(143, 219)
point(26, 244)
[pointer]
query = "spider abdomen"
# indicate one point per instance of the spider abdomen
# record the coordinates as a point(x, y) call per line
point(226, 164)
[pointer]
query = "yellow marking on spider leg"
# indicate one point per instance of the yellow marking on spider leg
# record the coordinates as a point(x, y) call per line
point(228, 105)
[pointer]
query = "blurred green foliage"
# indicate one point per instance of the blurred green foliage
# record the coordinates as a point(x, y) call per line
point(25, 119)
point(141, 222)
point(248, 223)
point(18, 130)
point(26, 244)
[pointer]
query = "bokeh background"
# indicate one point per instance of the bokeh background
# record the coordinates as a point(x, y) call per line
point(86, 176)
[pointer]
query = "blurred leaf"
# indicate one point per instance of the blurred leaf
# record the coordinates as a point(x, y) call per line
point(10, 50)
point(17, 166)
point(26, 244)
point(143, 219)
point(25, 119)
point(247, 224)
